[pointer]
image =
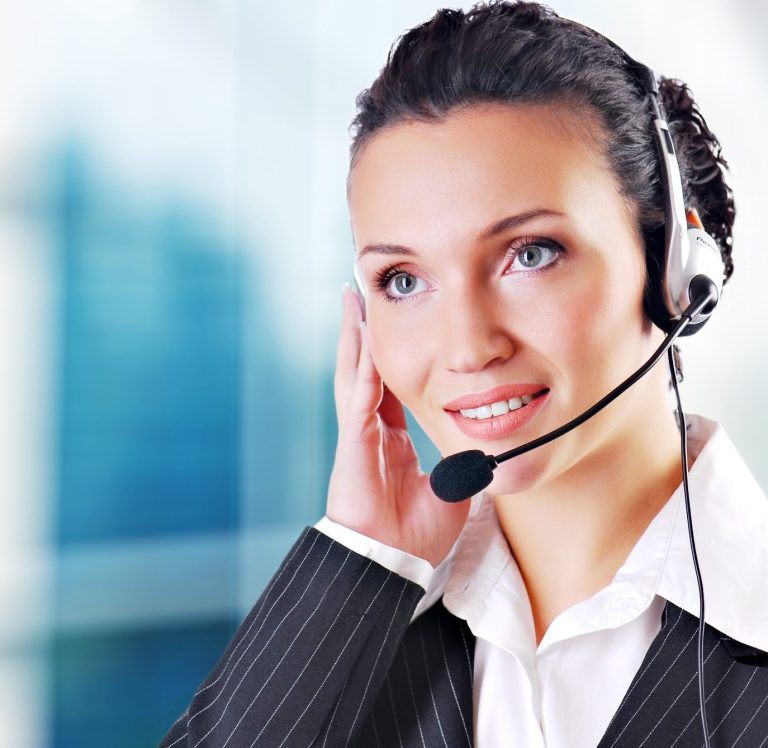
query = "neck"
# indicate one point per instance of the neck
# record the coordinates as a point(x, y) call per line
point(570, 536)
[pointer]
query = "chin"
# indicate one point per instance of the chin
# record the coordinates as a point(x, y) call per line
point(518, 474)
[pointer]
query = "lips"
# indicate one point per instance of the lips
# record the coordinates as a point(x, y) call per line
point(501, 426)
point(502, 392)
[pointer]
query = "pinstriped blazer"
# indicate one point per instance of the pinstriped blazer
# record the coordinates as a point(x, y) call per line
point(328, 656)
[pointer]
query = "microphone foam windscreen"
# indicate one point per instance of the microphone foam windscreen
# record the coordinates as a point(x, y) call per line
point(461, 476)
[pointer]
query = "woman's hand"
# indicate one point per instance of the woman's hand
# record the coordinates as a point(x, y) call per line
point(377, 487)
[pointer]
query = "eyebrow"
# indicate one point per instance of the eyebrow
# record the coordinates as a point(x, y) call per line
point(505, 224)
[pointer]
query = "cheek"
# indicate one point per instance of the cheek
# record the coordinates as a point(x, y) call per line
point(615, 329)
point(600, 327)
point(399, 358)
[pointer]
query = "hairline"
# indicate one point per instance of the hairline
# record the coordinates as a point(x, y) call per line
point(569, 111)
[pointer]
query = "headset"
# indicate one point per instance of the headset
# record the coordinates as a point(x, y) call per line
point(679, 299)
point(691, 256)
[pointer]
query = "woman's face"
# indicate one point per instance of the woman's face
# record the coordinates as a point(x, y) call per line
point(500, 262)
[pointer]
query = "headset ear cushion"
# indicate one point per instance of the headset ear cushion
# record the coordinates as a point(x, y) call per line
point(654, 296)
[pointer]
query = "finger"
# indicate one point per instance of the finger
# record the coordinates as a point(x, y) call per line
point(368, 389)
point(347, 352)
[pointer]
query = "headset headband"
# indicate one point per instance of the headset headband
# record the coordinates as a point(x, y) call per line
point(688, 250)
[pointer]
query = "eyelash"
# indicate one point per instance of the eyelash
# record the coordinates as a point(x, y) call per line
point(384, 276)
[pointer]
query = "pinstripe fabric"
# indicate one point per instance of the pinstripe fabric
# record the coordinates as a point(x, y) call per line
point(307, 663)
point(661, 707)
point(427, 695)
point(329, 657)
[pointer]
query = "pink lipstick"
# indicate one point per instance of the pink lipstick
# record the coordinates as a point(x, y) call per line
point(526, 401)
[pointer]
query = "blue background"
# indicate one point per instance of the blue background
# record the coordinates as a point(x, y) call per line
point(173, 242)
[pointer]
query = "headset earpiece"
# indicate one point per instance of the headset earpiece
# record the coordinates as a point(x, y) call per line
point(668, 294)
point(692, 260)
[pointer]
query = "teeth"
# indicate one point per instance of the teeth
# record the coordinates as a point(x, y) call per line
point(496, 409)
point(499, 409)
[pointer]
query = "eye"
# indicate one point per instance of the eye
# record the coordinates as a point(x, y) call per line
point(534, 254)
point(404, 284)
point(397, 284)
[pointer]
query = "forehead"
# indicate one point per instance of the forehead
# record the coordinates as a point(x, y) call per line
point(489, 160)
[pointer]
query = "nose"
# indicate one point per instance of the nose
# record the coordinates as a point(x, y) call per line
point(475, 333)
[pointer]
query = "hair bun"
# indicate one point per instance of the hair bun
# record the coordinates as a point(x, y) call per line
point(702, 166)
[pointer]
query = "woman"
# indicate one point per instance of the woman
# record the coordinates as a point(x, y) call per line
point(508, 213)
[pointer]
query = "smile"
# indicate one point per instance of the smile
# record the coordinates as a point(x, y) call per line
point(497, 413)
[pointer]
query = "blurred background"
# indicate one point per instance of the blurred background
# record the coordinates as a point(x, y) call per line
point(173, 240)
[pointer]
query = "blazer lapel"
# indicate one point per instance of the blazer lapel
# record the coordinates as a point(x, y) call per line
point(661, 707)
point(426, 699)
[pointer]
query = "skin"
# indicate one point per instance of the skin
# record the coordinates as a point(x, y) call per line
point(477, 318)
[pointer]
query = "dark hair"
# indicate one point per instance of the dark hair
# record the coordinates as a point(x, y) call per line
point(523, 52)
